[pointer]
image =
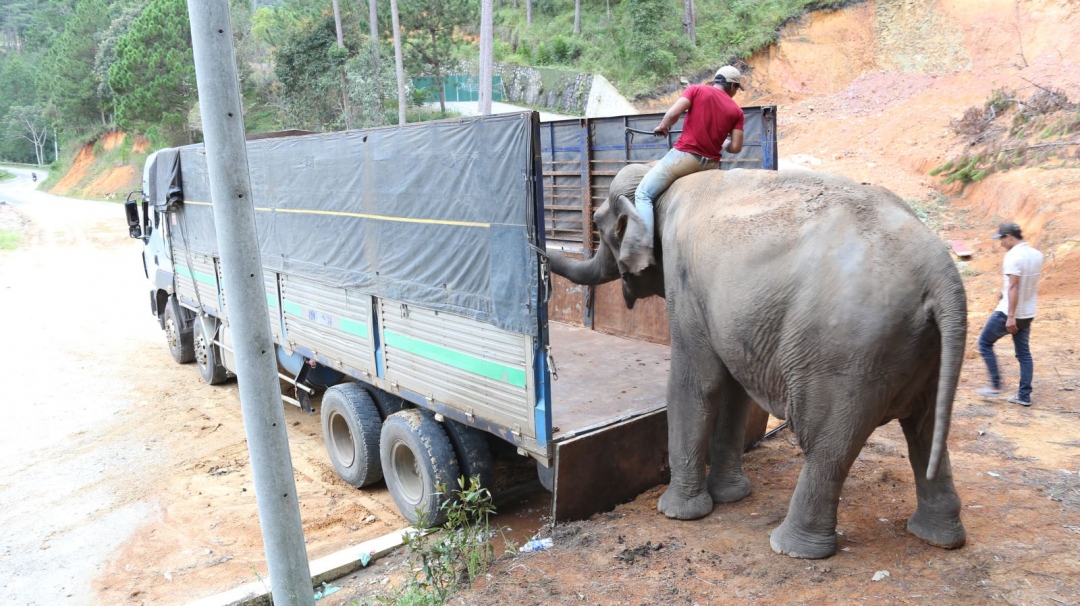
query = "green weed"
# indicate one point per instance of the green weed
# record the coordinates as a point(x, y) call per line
point(943, 168)
point(928, 211)
point(10, 239)
point(451, 556)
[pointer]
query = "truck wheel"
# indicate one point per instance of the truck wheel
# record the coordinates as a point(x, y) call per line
point(386, 402)
point(473, 454)
point(206, 356)
point(417, 459)
point(181, 343)
point(351, 429)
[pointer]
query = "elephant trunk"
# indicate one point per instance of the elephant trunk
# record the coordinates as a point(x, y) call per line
point(599, 269)
point(950, 313)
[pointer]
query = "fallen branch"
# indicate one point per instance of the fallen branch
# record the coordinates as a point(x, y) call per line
point(1052, 92)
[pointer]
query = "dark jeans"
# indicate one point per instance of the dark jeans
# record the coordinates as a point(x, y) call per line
point(994, 330)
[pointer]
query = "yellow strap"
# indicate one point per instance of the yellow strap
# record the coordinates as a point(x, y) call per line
point(336, 213)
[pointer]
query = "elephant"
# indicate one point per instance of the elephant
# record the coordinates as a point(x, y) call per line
point(826, 301)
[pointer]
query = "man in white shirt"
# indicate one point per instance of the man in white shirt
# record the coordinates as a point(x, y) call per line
point(1014, 313)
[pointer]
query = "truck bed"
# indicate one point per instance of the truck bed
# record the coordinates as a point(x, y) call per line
point(603, 378)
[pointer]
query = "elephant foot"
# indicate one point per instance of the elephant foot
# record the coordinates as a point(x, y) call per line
point(798, 544)
point(673, 506)
point(938, 530)
point(729, 490)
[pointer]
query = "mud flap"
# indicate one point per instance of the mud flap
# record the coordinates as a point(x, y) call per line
point(596, 471)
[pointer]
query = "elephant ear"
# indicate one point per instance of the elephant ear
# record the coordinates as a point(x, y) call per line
point(631, 237)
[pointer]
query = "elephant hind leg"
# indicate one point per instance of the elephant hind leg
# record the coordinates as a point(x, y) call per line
point(727, 483)
point(831, 443)
point(937, 516)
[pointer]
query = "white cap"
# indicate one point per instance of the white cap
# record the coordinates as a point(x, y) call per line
point(730, 74)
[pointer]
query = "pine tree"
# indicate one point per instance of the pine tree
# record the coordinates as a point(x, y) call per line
point(106, 56)
point(309, 67)
point(67, 80)
point(17, 89)
point(429, 27)
point(154, 73)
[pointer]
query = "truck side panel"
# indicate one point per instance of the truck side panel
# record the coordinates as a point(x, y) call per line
point(332, 322)
point(470, 366)
point(196, 279)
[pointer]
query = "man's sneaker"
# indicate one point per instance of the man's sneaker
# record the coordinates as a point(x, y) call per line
point(1017, 400)
point(990, 392)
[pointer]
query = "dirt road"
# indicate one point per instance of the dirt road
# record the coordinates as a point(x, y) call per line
point(123, 478)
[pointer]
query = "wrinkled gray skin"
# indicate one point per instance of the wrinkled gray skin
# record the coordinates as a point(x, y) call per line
point(827, 302)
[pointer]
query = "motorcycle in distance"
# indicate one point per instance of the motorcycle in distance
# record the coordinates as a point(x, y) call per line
point(34, 177)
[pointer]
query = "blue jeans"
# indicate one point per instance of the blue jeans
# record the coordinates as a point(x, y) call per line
point(673, 165)
point(994, 330)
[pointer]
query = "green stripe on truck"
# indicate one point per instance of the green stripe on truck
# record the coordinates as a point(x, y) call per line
point(466, 362)
point(353, 328)
point(345, 325)
point(292, 308)
point(197, 275)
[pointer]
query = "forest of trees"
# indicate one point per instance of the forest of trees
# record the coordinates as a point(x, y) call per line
point(73, 69)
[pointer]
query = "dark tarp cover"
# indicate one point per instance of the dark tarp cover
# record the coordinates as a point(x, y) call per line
point(437, 213)
point(166, 186)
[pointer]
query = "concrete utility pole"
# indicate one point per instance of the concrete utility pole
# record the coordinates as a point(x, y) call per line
point(487, 47)
point(256, 365)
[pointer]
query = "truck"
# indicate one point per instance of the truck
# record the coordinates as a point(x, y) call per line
point(410, 302)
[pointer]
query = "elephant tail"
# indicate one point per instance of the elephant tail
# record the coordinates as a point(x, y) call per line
point(949, 307)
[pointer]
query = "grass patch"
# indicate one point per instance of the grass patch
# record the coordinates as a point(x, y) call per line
point(5, 175)
point(10, 239)
point(929, 211)
point(424, 113)
point(448, 557)
point(1008, 132)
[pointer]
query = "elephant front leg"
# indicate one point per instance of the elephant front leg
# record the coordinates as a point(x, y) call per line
point(691, 415)
point(727, 483)
point(937, 516)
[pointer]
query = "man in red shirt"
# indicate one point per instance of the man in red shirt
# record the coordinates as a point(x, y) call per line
point(711, 117)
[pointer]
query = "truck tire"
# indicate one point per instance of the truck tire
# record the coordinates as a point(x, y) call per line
point(473, 453)
point(181, 342)
point(211, 369)
point(351, 429)
point(386, 402)
point(417, 459)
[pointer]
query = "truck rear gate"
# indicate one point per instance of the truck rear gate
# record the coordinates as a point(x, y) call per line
point(401, 257)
